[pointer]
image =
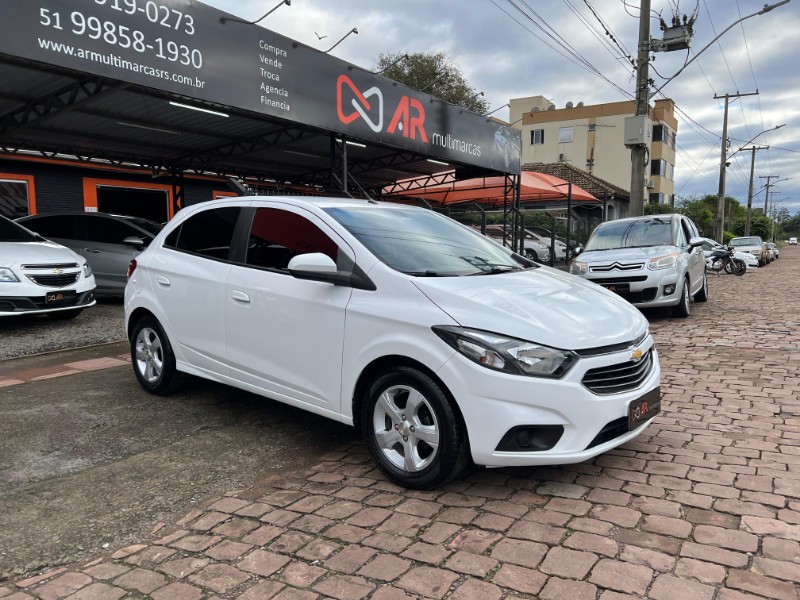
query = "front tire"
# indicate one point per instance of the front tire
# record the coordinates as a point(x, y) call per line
point(683, 309)
point(412, 429)
point(531, 254)
point(152, 358)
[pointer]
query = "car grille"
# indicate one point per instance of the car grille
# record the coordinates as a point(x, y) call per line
point(620, 377)
point(615, 266)
point(645, 295)
point(620, 279)
point(57, 281)
point(50, 267)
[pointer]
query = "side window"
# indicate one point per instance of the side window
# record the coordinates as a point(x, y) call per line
point(102, 230)
point(277, 236)
point(208, 233)
point(55, 226)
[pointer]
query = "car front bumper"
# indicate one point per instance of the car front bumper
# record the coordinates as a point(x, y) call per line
point(23, 298)
point(494, 403)
point(645, 289)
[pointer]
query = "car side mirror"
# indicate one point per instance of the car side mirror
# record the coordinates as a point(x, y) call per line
point(134, 241)
point(577, 250)
point(316, 266)
point(313, 263)
point(695, 242)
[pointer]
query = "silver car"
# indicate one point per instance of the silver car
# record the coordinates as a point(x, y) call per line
point(108, 242)
point(652, 261)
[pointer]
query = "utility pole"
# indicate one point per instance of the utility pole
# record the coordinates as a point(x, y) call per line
point(766, 195)
point(642, 108)
point(720, 223)
point(750, 191)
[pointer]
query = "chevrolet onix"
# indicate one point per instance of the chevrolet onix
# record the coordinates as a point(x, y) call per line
point(439, 344)
point(41, 277)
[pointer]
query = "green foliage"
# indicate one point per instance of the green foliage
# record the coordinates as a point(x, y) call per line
point(760, 225)
point(653, 208)
point(437, 74)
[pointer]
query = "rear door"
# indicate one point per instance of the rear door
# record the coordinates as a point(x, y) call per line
point(106, 252)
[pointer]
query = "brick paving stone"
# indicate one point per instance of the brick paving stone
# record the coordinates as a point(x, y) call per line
point(591, 526)
point(471, 564)
point(228, 550)
point(604, 496)
point(474, 540)
point(339, 510)
point(290, 542)
point(390, 593)
point(63, 586)
point(385, 567)
point(592, 543)
point(568, 563)
point(427, 581)
point(96, 591)
point(432, 554)
point(263, 590)
point(519, 552)
point(564, 589)
point(528, 530)
point(520, 579)
point(219, 577)
point(106, 571)
point(141, 580)
point(369, 517)
point(646, 539)
point(667, 526)
point(388, 542)
point(439, 533)
point(318, 549)
point(668, 587)
point(196, 543)
point(564, 490)
point(230, 505)
point(658, 561)
point(177, 591)
point(621, 576)
point(699, 570)
point(505, 508)
point(473, 589)
point(781, 549)
point(773, 527)
point(780, 569)
point(262, 563)
point(313, 524)
point(624, 517)
point(419, 508)
point(350, 559)
point(279, 517)
point(725, 538)
point(209, 520)
point(458, 515)
point(759, 584)
point(152, 555)
point(183, 567)
point(493, 522)
point(711, 517)
point(548, 517)
point(302, 575)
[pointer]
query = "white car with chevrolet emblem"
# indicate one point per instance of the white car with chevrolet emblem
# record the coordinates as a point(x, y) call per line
point(651, 261)
point(41, 277)
point(439, 344)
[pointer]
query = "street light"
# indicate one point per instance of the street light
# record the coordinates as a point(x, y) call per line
point(353, 30)
point(268, 13)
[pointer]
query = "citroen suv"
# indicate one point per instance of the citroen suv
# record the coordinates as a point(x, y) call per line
point(651, 261)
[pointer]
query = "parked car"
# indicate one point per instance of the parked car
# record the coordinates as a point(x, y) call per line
point(440, 345)
point(710, 245)
point(793, 241)
point(108, 242)
point(41, 277)
point(534, 240)
point(651, 261)
point(754, 245)
point(533, 248)
point(774, 251)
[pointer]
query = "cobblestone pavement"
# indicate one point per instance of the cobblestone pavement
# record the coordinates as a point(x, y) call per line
point(704, 505)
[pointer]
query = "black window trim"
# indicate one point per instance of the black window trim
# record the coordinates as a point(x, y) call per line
point(237, 232)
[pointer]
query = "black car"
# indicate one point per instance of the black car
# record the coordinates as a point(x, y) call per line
point(108, 242)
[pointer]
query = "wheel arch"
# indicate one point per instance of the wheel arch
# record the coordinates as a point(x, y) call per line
point(386, 362)
point(134, 318)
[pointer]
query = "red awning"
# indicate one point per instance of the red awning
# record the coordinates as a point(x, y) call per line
point(492, 190)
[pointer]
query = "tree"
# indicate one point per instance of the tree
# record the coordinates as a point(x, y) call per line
point(437, 74)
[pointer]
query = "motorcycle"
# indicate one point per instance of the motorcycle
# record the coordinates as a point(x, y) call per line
point(722, 259)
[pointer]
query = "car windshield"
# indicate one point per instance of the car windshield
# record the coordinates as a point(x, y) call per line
point(11, 232)
point(746, 241)
point(423, 243)
point(150, 227)
point(631, 234)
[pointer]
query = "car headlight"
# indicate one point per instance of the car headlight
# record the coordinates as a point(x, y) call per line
point(663, 262)
point(509, 355)
point(579, 268)
point(87, 270)
point(7, 276)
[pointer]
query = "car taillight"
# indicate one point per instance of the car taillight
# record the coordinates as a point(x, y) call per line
point(131, 268)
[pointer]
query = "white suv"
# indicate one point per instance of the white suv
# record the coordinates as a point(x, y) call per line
point(41, 277)
point(439, 344)
point(651, 261)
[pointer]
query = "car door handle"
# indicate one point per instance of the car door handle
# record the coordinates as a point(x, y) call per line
point(163, 281)
point(92, 251)
point(240, 296)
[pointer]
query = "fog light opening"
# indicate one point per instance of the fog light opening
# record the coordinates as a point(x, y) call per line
point(669, 289)
point(530, 438)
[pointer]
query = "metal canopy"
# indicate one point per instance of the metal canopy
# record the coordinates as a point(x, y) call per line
point(50, 112)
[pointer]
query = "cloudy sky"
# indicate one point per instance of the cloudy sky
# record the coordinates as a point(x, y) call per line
point(559, 49)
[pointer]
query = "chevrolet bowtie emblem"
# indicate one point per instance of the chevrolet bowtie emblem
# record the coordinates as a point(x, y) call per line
point(58, 271)
point(637, 354)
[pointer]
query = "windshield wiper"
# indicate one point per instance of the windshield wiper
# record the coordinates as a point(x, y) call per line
point(488, 268)
point(427, 274)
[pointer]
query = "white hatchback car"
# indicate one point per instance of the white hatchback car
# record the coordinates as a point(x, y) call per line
point(438, 343)
point(41, 277)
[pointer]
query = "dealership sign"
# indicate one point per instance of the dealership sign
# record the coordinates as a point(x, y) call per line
point(188, 48)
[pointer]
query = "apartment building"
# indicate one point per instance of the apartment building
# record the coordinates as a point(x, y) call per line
point(591, 138)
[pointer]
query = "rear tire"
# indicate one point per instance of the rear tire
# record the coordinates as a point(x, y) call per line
point(412, 429)
point(152, 358)
point(683, 309)
point(739, 267)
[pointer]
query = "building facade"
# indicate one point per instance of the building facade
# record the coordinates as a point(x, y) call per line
point(591, 138)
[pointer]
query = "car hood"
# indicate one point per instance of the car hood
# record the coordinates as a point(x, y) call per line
point(22, 253)
point(625, 254)
point(542, 305)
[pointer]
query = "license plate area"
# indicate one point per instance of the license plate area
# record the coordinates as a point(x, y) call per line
point(619, 288)
point(60, 298)
point(644, 408)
